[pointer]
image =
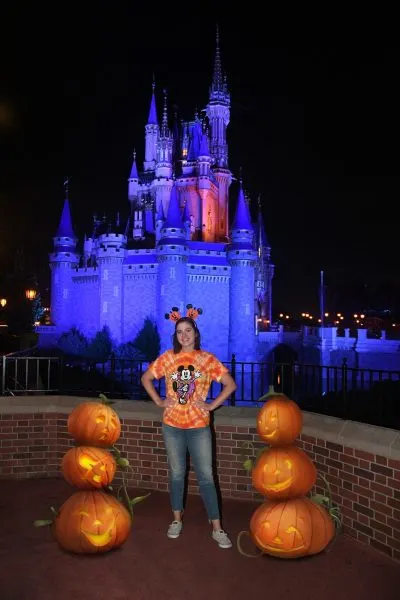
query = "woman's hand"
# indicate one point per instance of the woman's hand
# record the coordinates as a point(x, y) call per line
point(169, 402)
point(202, 405)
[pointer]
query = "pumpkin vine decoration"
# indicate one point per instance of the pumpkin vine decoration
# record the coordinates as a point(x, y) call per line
point(289, 524)
point(94, 519)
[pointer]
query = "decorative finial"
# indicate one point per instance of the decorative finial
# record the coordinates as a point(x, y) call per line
point(134, 154)
point(259, 201)
point(240, 176)
point(165, 115)
point(153, 85)
point(66, 187)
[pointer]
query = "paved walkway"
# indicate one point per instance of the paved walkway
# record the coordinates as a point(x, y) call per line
point(151, 566)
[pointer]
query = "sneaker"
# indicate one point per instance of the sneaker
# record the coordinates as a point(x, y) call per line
point(174, 530)
point(222, 539)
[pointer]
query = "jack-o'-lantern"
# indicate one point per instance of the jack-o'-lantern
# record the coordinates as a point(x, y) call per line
point(279, 421)
point(291, 529)
point(87, 467)
point(92, 522)
point(284, 472)
point(94, 423)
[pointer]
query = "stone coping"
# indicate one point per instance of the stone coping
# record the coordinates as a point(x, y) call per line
point(361, 436)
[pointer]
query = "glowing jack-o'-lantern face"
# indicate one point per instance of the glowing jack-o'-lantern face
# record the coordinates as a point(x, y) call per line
point(90, 522)
point(94, 423)
point(87, 467)
point(279, 421)
point(298, 527)
point(284, 472)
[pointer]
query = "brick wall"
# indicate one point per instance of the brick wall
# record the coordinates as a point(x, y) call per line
point(364, 484)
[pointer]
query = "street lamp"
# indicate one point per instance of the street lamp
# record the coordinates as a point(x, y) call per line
point(3, 302)
point(30, 294)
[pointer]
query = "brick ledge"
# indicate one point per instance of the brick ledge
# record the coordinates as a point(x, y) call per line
point(377, 440)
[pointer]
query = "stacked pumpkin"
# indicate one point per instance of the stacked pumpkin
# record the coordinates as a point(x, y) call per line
point(288, 524)
point(92, 520)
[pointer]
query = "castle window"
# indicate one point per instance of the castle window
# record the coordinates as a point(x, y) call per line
point(141, 267)
point(173, 247)
point(214, 268)
point(105, 275)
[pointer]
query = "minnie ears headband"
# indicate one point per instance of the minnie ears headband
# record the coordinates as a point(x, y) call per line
point(192, 313)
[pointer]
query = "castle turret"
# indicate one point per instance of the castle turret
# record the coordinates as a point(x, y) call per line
point(264, 274)
point(133, 181)
point(152, 131)
point(242, 258)
point(63, 262)
point(172, 254)
point(204, 159)
point(218, 113)
point(164, 146)
point(160, 218)
point(110, 256)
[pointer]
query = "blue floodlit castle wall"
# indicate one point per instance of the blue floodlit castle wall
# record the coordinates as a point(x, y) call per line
point(175, 247)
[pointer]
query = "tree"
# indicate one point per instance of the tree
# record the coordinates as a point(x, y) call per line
point(37, 309)
point(147, 340)
point(73, 342)
point(100, 347)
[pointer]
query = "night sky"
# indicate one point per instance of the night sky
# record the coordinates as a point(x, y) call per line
point(315, 130)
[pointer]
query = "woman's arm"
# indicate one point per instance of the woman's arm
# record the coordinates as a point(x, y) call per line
point(229, 387)
point(147, 383)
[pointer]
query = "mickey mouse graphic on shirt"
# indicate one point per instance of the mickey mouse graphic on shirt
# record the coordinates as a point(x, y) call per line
point(183, 382)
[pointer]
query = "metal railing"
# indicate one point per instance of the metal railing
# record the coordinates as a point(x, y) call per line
point(366, 395)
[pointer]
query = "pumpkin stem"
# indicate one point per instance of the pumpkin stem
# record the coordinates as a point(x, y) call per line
point(240, 549)
point(271, 392)
point(105, 400)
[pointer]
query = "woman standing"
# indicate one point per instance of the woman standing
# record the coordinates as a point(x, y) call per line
point(188, 372)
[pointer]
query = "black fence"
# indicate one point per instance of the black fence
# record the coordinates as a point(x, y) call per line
point(365, 395)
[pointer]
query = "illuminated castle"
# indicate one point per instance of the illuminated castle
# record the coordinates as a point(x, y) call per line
point(177, 245)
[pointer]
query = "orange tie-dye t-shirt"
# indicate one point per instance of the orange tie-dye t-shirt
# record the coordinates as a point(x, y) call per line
point(188, 376)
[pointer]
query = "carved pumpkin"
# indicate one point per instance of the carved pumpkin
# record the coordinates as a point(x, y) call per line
point(284, 472)
point(94, 423)
point(298, 527)
point(88, 468)
point(279, 421)
point(91, 522)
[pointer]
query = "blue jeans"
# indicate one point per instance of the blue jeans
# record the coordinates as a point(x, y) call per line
point(198, 442)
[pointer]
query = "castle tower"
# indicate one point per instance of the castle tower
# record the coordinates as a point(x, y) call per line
point(172, 258)
point(264, 273)
point(133, 181)
point(110, 256)
point(165, 145)
point(63, 261)
point(242, 258)
point(218, 113)
point(151, 135)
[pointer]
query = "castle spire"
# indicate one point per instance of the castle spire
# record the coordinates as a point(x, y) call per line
point(65, 228)
point(164, 124)
point(174, 219)
point(262, 237)
point(242, 218)
point(152, 120)
point(134, 171)
point(218, 80)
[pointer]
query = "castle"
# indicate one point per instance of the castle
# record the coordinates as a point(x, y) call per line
point(176, 246)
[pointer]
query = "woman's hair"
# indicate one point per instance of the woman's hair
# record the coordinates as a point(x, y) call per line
point(176, 345)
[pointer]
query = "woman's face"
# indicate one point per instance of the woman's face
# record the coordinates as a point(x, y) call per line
point(186, 336)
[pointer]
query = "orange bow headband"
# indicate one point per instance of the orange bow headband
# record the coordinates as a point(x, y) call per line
point(192, 312)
